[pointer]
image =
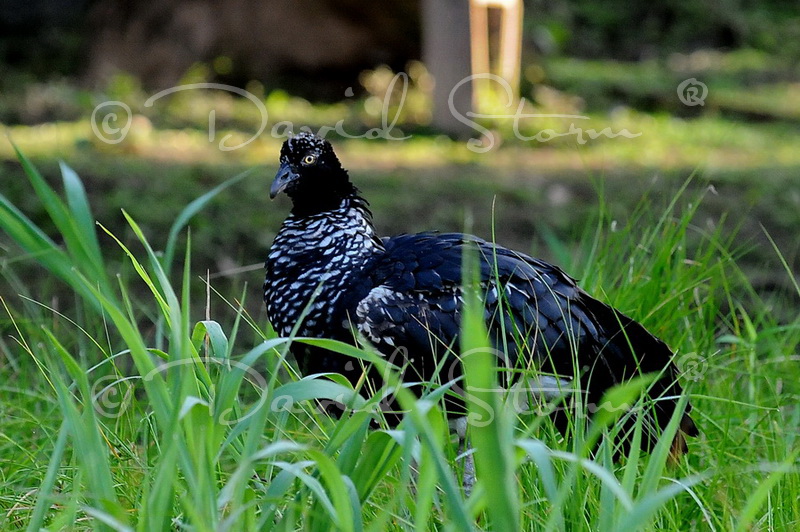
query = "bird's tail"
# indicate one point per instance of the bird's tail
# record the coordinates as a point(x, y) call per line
point(679, 446)
point(631, 350)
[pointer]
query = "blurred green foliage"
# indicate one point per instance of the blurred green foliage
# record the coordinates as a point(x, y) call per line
point(626, 30)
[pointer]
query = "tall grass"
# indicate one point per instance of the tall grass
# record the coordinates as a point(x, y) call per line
point(125, 412)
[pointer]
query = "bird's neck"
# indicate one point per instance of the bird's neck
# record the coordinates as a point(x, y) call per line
point(344, 231)
point(314, 258)
point(309, 200)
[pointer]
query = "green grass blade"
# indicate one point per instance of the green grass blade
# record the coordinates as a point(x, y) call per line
point(380, 453)
point(347, 516)
point(757, 498)
point(82, 245)
point(540, 455)
point(87, 439)
point(491, 426)
point(41, 248)
point(84, 220)
point(642, 512)
point(46, 488)
point(189, 211)
point(156, 507)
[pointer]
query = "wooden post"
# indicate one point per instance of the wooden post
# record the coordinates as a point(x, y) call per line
point(510, 44)
point(455, 35)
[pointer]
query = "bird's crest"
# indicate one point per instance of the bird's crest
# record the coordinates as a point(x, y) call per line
point(303, 143)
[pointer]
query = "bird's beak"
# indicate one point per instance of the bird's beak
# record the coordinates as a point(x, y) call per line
point(282, 179)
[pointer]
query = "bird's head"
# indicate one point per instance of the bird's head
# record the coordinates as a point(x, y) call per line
point(310, 173)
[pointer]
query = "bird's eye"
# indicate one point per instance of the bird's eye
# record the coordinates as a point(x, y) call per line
point(309, 159)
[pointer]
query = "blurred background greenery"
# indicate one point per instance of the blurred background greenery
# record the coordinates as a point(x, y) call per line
point(314, 64)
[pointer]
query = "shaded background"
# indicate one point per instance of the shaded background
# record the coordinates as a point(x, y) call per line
point(317, 63)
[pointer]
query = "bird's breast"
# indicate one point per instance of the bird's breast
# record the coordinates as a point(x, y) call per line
point(309, 267)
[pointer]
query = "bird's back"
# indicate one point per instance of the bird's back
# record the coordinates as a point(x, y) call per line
point(408, 303)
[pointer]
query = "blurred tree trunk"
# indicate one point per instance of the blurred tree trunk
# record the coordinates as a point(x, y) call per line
point(446, 53)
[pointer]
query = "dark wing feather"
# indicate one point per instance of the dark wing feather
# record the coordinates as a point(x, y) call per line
point(410, 297)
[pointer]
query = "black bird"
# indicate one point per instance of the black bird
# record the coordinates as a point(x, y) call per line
point(404, 294)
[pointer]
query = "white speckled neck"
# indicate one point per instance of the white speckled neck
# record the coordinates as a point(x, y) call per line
point(316, 252)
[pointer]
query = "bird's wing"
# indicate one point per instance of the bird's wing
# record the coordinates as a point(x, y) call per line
point(537, 316)
point(411, 309)
point(416, 295)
